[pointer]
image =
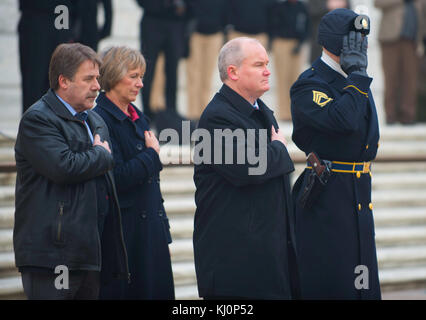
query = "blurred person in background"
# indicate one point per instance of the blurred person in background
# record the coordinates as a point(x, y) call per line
point(162, 29)
point(205, 42)
point(317, 9)
point(38, 38)
point(401, 40)
point(288, 28)
point(248, 18)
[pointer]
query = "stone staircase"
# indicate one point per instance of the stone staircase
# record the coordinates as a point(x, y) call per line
point(399, 188)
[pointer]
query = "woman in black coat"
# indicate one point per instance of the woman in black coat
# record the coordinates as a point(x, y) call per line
point(136, 172)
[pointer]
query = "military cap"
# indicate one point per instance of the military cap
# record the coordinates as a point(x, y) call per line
point(336, 24)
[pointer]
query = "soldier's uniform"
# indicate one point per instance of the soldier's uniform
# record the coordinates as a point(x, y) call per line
point(335, 117)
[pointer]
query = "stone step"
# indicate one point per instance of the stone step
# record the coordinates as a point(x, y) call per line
point(398, 198)
point(399, 180)
point(394, 167)
point(401, 132)
point(182, 250)
point(400, 235)
point(176, 173)
point(7, 194)
point(182, 205)
point(177, 187)
point(398, 216)
point(7, 217)
point(11, 287)
point(7, 260)
point(184, 273)
point(182, 227)
point(187, 292)
point(401, 256)
point(402, 277)
point(410, 147)
point(7, 154)
point(7, 178)
point(6, 240)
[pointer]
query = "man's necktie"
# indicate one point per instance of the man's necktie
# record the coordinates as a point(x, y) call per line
point(82, 116)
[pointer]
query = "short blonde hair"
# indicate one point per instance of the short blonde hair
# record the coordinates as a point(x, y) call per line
point(116, 62)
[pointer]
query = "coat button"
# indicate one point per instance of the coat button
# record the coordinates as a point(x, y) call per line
point(359, 206)
point(160, 213)
point(139, 146)
point(143, 214)
point(358, 174)
point(366, 147)
point(370, 206)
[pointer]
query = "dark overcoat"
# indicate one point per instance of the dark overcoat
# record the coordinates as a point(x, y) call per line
point(57, 203)
point(336, 117)
point(145, 224)
point(243, 232)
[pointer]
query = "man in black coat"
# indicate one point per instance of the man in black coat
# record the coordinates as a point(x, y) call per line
point(243, 232)
point(67, 213)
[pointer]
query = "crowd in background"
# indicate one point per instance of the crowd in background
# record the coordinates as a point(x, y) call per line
point(195, 30)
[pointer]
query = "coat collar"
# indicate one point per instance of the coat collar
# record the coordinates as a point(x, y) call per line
point(56, 105)
point(103, 102)
point(328, 74)
point(239, 102)
point(60, 110)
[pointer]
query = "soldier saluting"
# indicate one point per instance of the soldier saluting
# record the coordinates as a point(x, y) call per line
point(335, 123)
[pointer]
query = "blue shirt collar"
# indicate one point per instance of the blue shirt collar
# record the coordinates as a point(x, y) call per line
point(73, 112)
point(67, 105)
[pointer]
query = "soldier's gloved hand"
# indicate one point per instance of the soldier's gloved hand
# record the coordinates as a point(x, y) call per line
point(354, 54)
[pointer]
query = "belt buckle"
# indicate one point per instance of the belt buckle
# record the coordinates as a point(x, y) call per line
point(366, 167)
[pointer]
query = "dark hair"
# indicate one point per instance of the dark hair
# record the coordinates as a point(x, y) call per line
point(66, 59)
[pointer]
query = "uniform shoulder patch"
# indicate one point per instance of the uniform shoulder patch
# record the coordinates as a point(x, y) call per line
point(320, 98)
